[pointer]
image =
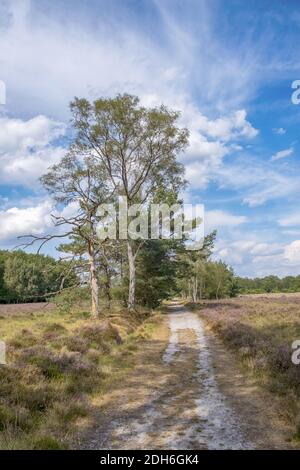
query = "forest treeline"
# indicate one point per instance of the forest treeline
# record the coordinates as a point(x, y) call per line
point(164, 270)
point(268, 284)
point(31, 277)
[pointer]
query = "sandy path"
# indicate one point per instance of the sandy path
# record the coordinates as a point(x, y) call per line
point(185, 393)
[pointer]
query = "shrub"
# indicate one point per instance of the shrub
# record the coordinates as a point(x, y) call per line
point(70, 412)
point(54, 327)
point(24, 339)
point(76, 343)
point(240, 336)
point(102, 335)
point(71, 299)
point(54, 365)
point(280, 360)
point(7, 417)
point(47, 443)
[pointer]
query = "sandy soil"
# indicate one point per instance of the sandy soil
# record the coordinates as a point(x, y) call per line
point(185, 392)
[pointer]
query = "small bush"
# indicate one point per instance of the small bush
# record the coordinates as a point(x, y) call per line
point(102, 335)
point(240, 336)
point(54, 328)
point(37, 398)
point(69, 300)
point(280, 360)
point(54, 365)
point(7, 417)
point(43, 359)
point(296, 436)
point(47, 443)
point(54, 331)
point(24, 339)
point(76, 343)
point(70, 412)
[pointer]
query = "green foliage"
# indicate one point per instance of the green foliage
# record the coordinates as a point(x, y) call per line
point(156, 272)
point(47, 443)
point(4, 293)
point(268, 284)
point(200, 278)
point(131, 140)
point(68, 298)
point(31, 277)
point(219, 281)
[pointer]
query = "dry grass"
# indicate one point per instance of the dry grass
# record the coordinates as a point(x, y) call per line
point(56, 363)
point(261, 329)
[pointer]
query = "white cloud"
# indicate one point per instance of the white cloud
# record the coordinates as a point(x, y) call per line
point(17, 135)
point(264, 189)
point(265, 249)
point(210, 141)
point(225, 72)
point(32, 218)
point(87, 61)
point(49, 56)
point(47, 61)
point(256, 182)
point(255, 258)
point(290, 220)
point(292, 253)
point(23, 221)
point(282, 154)
point(279, 130)
point(219, 218)
point(230, 127)
point(27, 148)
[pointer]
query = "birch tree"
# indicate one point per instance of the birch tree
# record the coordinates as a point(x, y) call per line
point(136, 148)
point(77, 187)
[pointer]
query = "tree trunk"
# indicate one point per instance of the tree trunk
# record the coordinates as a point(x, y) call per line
point(195, 289)
point(132, 276)
point(107, 284)
point(94, 282)
point(218, 289)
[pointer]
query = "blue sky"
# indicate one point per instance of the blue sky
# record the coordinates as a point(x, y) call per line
point(227, 65)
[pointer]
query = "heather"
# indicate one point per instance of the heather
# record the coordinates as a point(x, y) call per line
point(56, 362)
point(260, 330)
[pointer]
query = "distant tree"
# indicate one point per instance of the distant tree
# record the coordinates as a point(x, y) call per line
point(157, 269)
point(4, 294)
point(220, 280)
point(268, 284)
point(192, 274)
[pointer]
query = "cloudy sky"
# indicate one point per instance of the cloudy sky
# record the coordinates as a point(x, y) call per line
point(227, 65)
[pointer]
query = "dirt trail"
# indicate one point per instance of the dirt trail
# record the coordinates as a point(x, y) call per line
point(186, 392)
